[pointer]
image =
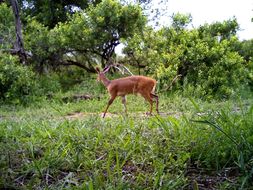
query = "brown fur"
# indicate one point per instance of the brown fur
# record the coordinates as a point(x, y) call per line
point(142, 85)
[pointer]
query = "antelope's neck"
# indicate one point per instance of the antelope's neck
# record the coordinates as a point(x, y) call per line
point(105, 81)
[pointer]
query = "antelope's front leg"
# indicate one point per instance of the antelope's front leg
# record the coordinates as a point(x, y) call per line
point(109, 103)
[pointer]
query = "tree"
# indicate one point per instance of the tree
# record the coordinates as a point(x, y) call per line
point(19, 44)
point(141, 50)
point(245, 48)
point(51, 12)
point(7, 28)
point(180, 21)
point(221, 30)
point(11, 40)
point(88, 37)
point(204, 60)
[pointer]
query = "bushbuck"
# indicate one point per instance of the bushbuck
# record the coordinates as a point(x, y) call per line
point(145, 86)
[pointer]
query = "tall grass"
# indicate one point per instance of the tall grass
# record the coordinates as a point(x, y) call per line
point(226, 141)
point(41, 148)
point(92, 153)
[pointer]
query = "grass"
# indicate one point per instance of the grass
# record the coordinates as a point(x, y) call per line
point(192, 145)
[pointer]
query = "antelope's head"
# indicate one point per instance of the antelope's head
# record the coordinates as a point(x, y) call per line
point(101, 74)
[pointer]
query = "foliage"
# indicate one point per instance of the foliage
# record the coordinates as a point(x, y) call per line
point(204, 58)
point(88, 37)
point(37, 40)
point(208, 61)
point(50, 13)
point(180, 21)
point(17, 82)
point(7, 28)
point(48, 84)
point(250, 77)
point(222, 30)
point(245, 49)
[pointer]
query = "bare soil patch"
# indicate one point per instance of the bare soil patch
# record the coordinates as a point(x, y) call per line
point(80, 115)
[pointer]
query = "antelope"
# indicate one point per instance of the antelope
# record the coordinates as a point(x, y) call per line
point(145, 86)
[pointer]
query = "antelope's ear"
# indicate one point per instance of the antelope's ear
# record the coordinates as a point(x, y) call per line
point(106, 69)
point(97, 69)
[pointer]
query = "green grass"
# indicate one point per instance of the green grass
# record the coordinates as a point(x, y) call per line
point(191, 143)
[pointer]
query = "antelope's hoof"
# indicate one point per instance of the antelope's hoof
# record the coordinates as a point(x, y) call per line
point(149, 114)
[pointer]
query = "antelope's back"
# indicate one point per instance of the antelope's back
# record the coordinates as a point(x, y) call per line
point(132, 84)
point(146, 84)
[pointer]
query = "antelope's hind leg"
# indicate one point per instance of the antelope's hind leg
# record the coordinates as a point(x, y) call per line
point(154, 96)
point(124, 103)
point(149, 99)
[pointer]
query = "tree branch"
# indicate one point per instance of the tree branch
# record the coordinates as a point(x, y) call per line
point(171, 84)
point(78, 64)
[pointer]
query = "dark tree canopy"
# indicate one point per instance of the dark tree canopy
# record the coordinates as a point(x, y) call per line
point(51, 12)
point(89, 36)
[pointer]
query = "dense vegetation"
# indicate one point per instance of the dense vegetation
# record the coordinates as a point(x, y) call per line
point(52, 135)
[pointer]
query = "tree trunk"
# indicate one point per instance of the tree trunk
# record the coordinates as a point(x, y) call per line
point(19, 45)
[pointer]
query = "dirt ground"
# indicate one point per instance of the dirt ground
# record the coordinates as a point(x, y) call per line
point(80, 115)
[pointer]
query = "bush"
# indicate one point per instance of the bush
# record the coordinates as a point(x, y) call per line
point(17, 82)
point(250, 76)
point(48, 84)
point(7, 27)
point(221, 79)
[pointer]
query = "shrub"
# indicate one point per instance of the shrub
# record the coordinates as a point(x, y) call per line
point(250, 76)
point(7, 27)
point(17, 82)
point(48, 84)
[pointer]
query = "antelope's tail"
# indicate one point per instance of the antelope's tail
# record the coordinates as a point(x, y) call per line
point(153, 90)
